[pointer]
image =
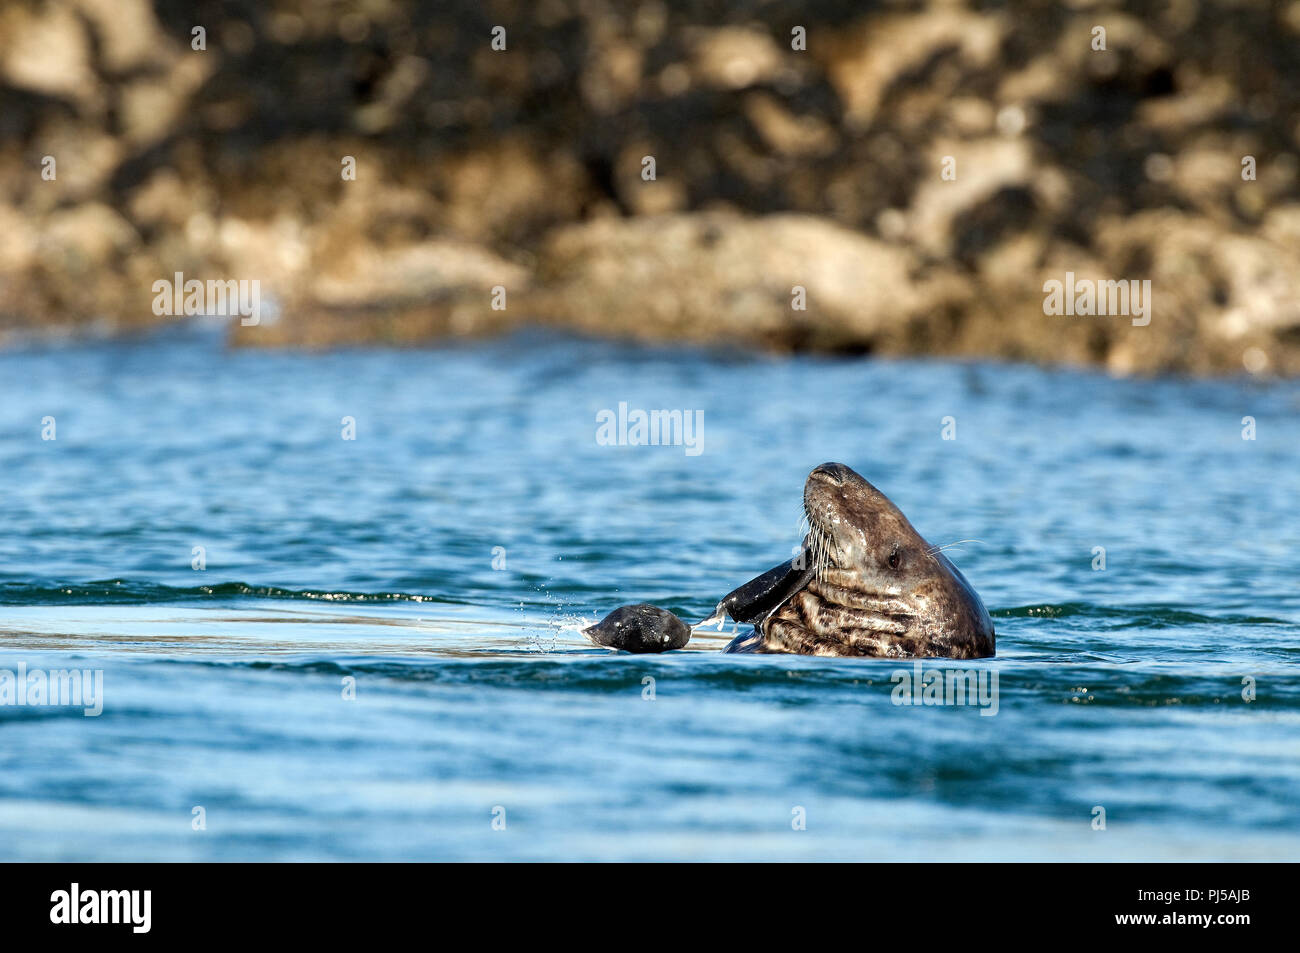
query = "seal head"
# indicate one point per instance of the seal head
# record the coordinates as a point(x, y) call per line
point(877, 587)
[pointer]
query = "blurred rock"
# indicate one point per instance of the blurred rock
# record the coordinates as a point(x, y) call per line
point(126, 156)
point(127, 32)
point(46, 49)
point(734, 57)
point(721, 278)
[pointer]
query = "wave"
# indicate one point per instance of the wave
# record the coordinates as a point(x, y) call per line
point(128, 592)
point(1147, 616)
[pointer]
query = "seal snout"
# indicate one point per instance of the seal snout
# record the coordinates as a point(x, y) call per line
point(833, 473)
point(824, 490)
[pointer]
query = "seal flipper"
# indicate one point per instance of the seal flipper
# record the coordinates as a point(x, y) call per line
point(760, 597)
point(640, 629)
point(746, 644)
point(645, 628)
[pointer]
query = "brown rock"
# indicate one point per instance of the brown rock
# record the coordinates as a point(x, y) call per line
point(718, 277)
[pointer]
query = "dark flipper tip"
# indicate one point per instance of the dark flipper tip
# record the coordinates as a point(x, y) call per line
point(640, 628)
point(760, 597)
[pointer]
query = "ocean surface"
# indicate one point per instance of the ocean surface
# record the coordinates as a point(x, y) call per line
point(375, 653)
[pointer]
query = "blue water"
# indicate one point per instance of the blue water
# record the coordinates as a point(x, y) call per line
point(332, 560)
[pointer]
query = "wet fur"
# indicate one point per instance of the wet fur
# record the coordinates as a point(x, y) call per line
point(877, 588)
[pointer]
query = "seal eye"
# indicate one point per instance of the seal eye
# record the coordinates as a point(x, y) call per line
point(894, 558)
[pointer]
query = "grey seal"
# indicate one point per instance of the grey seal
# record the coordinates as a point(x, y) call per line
point(865, 584)
point(877, 588)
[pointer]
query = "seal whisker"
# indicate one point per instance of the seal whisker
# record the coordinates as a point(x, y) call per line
point(820, 543)
point(938, 549)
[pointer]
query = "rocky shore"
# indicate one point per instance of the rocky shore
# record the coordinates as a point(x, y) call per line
point(906, 183)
